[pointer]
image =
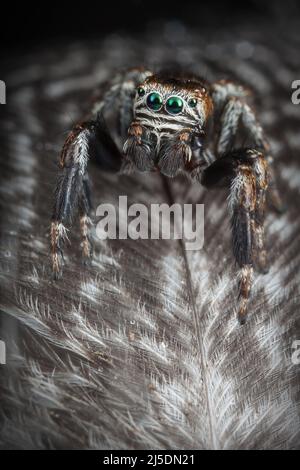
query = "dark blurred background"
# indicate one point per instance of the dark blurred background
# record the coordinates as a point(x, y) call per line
point(28, 25)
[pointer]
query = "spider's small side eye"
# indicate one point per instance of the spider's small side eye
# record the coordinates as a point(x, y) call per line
point(174, 105)
point(192, 102)
point(154, 101)
point(141, 91)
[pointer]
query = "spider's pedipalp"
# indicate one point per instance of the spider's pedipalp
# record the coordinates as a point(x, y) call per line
point(138, 147)
point(175, 153)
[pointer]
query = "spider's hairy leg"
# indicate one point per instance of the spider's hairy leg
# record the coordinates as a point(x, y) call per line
point(228, 99)
point(231, 102)
point(229, 125)
point(87, 139)
point(85, 207)
point(245, 171)
point(70, 190)
point(250, 122)
point(237, 112)
point(118, 95)
point(255, 130)
point(273, 196)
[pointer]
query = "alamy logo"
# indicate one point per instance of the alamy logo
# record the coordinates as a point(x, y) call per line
point(2, 92)
point(2, 353)
point(296, 94)
point(158, 221)
point(296, 353)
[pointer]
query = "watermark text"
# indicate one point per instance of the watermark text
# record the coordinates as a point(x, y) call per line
point(157, 221)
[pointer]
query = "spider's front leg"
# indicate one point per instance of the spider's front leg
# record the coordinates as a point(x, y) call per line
point(231, 102)
point(87, 139)
point(72, 192)
point(245, 171)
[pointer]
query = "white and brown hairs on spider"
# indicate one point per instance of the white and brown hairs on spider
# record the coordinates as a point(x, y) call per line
point(170, 124)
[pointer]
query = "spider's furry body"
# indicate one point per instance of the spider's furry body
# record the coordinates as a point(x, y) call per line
point(173, 124)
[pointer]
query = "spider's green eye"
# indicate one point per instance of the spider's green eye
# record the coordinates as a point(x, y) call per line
point(174, 105)
point(141, 91)
point(154, 101)
point(192, 103)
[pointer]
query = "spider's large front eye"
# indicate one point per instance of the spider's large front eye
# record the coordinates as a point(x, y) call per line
point(174, 105)
point(154, 101)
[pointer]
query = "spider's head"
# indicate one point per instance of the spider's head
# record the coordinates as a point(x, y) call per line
point(169, 114)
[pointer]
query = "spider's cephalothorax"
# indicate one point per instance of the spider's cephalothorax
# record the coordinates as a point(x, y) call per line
point(170, 124)
point(170, 116)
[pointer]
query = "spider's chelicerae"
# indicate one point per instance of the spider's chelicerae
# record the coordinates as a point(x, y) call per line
point(173, 123)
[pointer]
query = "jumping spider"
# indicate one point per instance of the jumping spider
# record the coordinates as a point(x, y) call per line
point(173, 123)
